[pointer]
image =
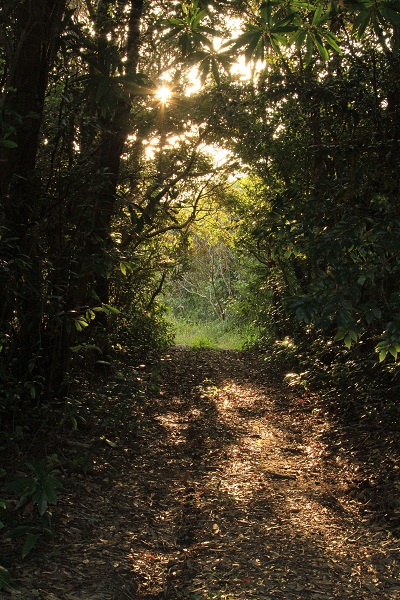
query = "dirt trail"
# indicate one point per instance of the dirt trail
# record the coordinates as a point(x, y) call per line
point(222, 496)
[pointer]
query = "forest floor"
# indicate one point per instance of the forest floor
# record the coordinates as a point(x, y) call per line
point(235, 487)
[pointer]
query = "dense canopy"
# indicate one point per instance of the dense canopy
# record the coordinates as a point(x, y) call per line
point(114, 114)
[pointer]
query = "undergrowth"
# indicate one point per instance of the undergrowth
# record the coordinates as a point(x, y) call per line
point(211, 334)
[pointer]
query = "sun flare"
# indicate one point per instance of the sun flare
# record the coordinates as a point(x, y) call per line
point(163, 94)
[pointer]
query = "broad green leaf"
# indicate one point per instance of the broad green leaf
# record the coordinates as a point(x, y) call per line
point(20, 485)
point(276, 41)
point(50, 492)
point(348, 341)
point(252, 46)
point(391, 15)
point(317, 15)
point(340, 335)
point(42, 501)
point(20, 530)
point(298, 38)
point(265, 11)
point(5, 578)
point(361, 22)
point(346, 304)
point(382, 355)
point(332, 41)
point(381, 345)
point(111, 309)
point(80, 323)
point(214, 69)
point(299, 4)
point(30, 542)
point(254, 28)
point(309, 49)
point(321, 49)
point(376, 311)
point(242, 40)
point(8, 144)
point(354, 335)
point(197, 18)
point(174, 21)
point(284, 27)
point(54, 482)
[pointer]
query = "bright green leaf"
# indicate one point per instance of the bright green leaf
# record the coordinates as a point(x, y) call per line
point(309, 49)
point(382, 355)
point(347, 341)
point(332, 41)
point(322, 50)
point(317, 15)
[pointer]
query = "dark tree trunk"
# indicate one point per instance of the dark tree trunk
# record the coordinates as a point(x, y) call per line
point(115, 131)
point(37, 24)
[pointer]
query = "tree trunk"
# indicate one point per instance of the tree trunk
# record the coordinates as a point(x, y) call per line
point(37, 23)
point(115, 131)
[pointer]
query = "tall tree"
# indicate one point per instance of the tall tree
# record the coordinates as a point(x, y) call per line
point(30, 29)
point(81, 191)
point(318, 134)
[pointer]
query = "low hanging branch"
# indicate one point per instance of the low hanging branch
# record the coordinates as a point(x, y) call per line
point(157, 291)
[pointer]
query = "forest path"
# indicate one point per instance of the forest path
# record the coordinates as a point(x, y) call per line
point(223, 495)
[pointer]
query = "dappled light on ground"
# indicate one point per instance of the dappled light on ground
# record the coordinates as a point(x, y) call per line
point(254, 518)
point(222, 495)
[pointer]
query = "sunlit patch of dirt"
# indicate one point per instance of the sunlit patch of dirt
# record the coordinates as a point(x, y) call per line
point(225, 494)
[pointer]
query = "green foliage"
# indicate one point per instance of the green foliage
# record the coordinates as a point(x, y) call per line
point(310, 26)
point(188, 28)
point(39, 489)
point(5, 579)
point(350, 379)
point(212, 334)
point(208, 277)
point(141, 334)
point(269, 32)
point(390, 343)
point(97, 211)
point(327, 232)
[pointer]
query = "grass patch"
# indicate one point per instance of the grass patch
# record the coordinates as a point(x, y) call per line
point(210, 334)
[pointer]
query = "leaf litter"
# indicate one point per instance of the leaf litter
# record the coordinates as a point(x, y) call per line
point(228, 491)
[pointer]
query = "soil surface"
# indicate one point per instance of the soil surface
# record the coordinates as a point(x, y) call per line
point(229, 490)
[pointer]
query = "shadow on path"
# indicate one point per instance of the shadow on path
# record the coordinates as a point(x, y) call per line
point(217, 498)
